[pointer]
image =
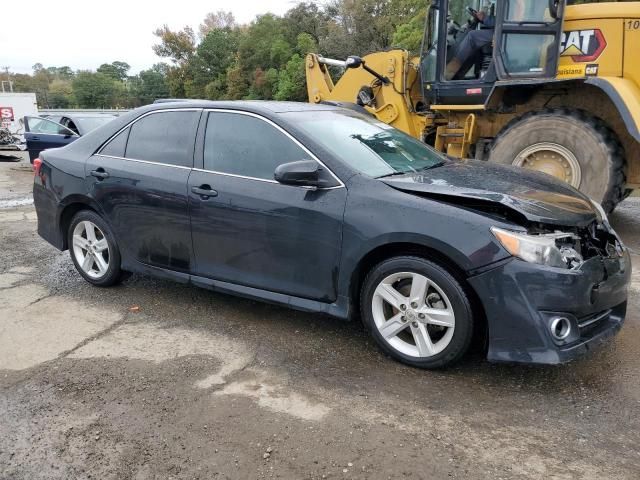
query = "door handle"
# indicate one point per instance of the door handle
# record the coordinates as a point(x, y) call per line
point(35, 138)
point(205, 192)
point(100, 174)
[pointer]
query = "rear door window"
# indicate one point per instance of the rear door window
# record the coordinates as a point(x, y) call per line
point(244, 145)
point(164, 137)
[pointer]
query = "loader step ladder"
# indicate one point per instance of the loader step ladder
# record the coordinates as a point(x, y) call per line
point(456, 141)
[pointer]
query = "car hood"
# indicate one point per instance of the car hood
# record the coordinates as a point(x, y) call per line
point(536, 196)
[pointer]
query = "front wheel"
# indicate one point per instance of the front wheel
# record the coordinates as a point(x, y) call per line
point(94, 250)
point(417, 312)
point(570, 145)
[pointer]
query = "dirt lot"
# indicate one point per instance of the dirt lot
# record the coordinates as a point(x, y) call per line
point(194, 384)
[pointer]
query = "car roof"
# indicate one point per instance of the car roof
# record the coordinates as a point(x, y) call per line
point(258, 106)
point(272, 110)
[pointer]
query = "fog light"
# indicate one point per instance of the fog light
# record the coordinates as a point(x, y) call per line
point(560, 328)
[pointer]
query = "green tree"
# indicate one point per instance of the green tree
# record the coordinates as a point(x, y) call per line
point(306, 17)
point(116, 70)
point(214, 55)
point(291, 81)
point(409, 35)
point(177, 46)
point(237, 82)
point(152, 84)
point(96, 90)
point(217, 21)
point(61, 94)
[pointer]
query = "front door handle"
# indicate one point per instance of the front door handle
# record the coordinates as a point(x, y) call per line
point(35, 138)
point(205, 192)
point(100, 174)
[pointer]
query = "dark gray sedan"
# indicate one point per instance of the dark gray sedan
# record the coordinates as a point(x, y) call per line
point(327, 210)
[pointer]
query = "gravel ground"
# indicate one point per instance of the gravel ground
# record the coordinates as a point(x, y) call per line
point(153, 379)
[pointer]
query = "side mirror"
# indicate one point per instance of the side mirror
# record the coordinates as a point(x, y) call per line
point(305, 173)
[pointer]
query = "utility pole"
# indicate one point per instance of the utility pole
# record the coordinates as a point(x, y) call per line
point(7, 81)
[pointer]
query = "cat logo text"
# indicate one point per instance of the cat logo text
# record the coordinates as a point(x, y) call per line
point(582, 45)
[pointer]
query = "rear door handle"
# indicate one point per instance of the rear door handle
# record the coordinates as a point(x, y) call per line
point(99, 174)
point(205, 192)
point(35, 138)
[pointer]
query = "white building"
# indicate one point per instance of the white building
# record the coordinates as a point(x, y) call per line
point(14, 107)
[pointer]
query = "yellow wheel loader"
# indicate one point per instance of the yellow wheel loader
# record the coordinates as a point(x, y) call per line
point(555, 88)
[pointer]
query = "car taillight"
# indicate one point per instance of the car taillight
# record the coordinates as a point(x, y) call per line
point(37, 163)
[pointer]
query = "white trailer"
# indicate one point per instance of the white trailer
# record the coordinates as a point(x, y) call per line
point(13, 108)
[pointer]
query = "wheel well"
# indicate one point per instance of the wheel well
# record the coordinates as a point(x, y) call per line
point(384, 252)
point(65, 219)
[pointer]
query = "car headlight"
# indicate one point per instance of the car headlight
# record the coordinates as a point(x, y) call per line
point(557, 249)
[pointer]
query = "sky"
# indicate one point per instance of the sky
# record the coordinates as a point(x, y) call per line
point(83, 36)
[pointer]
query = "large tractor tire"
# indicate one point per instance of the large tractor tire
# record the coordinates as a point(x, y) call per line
point(570, 145)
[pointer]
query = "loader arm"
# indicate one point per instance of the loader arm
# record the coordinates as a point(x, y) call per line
point(391, 102)
point(319, 82)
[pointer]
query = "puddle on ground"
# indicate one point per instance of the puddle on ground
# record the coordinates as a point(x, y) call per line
point(15, 202)
point(8, 280)
point(151, 342)
point(277, 398)
point(35, 327)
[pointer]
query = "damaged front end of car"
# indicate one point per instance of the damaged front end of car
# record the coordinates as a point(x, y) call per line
point(566, 247)
point(563, 292)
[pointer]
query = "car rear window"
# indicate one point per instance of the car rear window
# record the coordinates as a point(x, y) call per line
point(164, 137)
point(245, 145)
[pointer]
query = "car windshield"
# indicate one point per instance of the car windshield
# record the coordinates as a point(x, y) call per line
point(91, 123)
point(366, 144)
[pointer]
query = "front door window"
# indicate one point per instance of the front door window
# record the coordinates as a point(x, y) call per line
point(46, 127)
point(527, 38)
point(470, 32)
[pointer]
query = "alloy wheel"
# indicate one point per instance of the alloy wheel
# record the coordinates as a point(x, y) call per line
point(91, 249)
point(413, 314)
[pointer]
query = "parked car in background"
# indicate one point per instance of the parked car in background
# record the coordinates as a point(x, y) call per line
point(328, 210)
point(52, 131)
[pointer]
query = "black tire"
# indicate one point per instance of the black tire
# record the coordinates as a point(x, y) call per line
point(114, 274)
point(595, 146)
point(460, 302)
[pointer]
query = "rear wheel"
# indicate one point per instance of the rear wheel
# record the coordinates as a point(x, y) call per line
point(94, 250)
point(417, 312)
point(570, 145)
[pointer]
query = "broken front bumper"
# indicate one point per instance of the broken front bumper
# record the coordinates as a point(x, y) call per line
point(522, 300)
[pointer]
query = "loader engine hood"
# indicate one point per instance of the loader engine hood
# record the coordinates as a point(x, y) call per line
point(491, 188)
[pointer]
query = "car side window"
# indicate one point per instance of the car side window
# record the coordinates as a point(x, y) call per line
point(44, 126)
point(71, 125)
point(117, 146)
point(164, 137)
point(245, 145)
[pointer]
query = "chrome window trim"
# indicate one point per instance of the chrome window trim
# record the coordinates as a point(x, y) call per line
point(73, 134)
point(143, 161)
point(282, 130)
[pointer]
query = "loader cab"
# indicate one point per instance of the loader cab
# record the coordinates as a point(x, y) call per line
point(516, 40)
